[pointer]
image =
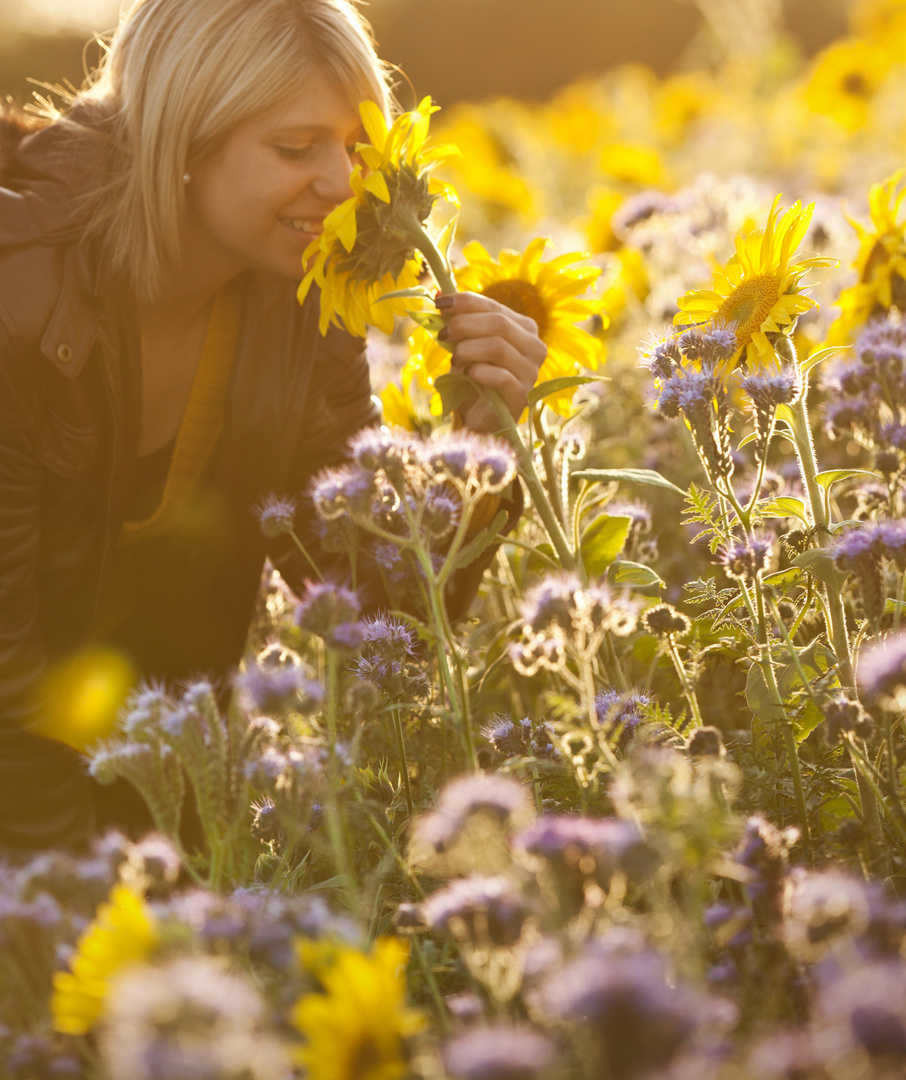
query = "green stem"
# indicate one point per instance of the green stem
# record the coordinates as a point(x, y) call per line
point(529, 474)
point(789, 736)
point(685, 682)
point(308, 558)
point(550, 469)
point(335, 818)
point(404, 764)
point(443, 275)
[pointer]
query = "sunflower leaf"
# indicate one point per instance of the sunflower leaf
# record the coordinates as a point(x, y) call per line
point(628, 476)
point(404, 294)
point(555, 386)
point(455, 390)
point(832, 476)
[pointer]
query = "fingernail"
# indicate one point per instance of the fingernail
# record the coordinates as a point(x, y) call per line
point(442, 302)
point(443, 333)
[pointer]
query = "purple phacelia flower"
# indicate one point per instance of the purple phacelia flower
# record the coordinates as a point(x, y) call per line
point(499, 1052)
point(483, 910)
point(276, 515)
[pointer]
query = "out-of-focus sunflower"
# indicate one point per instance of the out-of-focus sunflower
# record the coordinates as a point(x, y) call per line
point(356, 1028)
point(883, 23)
point(758, 291)
point(844, 80)
point(548, 292)
point(124, 932)
point(409, 404)
point(368, 246)
point(881, 262)
point(487, 166)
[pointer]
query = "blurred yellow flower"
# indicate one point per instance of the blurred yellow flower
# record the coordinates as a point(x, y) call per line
point(367, 248)
point(883, 23)
point(844, 81)
point(881, 262)
point(485, 167)
point(632, 163)
point(548, 292)
point(355, 1029)
point(603, 203)
point(683, 101)
point(625, 283)
point(124, 932)
point(758, 291)
point(408, 405)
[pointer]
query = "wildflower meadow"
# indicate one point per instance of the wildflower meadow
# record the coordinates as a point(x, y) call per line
point(637, 811)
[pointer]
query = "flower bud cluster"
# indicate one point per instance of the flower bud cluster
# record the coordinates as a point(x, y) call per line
point(560, 613)
point(867, 396)
point(861, 552)
point(686, 373)
point(388, 660)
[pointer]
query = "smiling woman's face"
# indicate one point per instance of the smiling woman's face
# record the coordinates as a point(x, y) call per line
point(260, 199)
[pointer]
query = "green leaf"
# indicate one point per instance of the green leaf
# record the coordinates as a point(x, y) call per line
point(455, 390)
point(816, 660)
point(786, 506)
point(479, 543)
point(603, 541)
point(786, 414)
point(779, 578)
point(554, 386)
point(831, 476)
point(637, 575)
point(820, 563)
point(401, 294)
point(817, 357)
point(628, 476)
point(432, 321)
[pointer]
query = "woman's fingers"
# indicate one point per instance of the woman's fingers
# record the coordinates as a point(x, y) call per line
point(496, 346)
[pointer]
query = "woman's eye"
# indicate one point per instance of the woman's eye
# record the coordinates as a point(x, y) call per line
point(294, 153)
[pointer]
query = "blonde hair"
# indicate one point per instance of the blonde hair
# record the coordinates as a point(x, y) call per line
point(177, 77)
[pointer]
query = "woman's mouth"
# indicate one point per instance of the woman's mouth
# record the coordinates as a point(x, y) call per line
point(304, 226)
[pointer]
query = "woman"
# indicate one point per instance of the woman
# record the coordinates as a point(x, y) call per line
point(157, 375)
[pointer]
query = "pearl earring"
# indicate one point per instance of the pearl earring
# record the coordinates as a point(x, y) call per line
point(186, 177)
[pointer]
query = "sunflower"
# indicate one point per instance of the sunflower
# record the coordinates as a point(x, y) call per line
point(124, 932)
point(758, 291)
point(368, 246)
point(548, 292)
point(881, 262)
point(355, 1029)
point(844, 80)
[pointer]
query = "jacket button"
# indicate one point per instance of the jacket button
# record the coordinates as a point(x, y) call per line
point(64, 354)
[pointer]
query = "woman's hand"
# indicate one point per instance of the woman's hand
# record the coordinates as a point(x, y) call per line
point(495, 346)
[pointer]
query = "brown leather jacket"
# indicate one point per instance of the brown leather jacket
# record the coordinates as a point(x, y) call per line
point(69, 424)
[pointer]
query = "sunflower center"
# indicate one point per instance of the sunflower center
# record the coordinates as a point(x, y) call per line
point(748, 306)
point(856, 84)
point(521, 296)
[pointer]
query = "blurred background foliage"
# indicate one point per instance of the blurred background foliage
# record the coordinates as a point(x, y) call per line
point(456, 49)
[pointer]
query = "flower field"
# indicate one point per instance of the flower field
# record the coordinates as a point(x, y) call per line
point(639, 811)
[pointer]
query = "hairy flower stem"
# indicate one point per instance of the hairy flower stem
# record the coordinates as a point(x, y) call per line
point(401, 750)
point(836, 615)
point(529, 475)
point(766, 664)
point(550, 469)
point(335, 817)
point(433, 256)
point(685, 681)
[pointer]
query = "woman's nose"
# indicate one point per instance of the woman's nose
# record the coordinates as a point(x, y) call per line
point(332, 184)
